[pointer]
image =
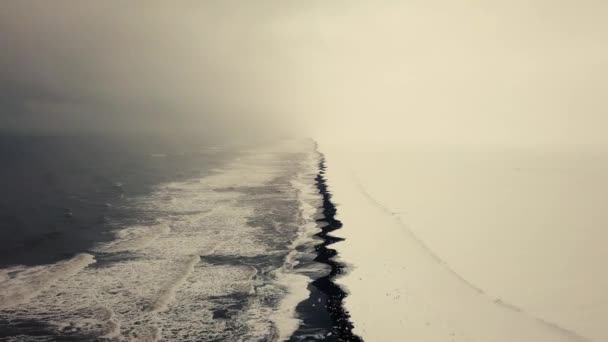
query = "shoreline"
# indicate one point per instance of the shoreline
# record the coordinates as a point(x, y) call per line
point(323, 310)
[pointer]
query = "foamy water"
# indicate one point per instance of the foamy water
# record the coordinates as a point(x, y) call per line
point(219, 263)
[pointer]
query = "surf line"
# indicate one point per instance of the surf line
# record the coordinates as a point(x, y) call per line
point(323, 312)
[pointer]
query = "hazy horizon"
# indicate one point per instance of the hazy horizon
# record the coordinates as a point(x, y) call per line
point(480, 72)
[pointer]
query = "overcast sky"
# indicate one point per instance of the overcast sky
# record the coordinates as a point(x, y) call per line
point(429, 71)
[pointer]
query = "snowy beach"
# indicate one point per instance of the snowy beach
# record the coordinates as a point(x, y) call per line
point(465, 244)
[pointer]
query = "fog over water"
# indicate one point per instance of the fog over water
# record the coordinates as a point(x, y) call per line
point(523, 72)
point(200, 67)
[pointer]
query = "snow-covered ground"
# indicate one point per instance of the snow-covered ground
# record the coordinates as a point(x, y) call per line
point(471, 244)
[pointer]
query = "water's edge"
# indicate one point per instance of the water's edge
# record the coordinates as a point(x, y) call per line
point(241, 252)
point(324, 307)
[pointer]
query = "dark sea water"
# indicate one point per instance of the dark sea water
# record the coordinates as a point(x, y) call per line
point(107, 238)
point(59, 195)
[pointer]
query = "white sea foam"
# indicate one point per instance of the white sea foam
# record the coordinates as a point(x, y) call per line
point(285, 318)
point(167, 293)
point(20, 284)
point(158, 283)
point(135, 238)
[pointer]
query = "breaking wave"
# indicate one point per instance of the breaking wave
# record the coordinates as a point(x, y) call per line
point(220, 262)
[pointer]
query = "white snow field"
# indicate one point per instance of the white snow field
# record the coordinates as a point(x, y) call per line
point(472, 244)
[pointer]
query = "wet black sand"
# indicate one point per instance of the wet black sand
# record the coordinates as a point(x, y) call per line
point(323, 315)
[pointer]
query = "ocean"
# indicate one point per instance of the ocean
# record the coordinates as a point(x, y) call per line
point(63, 194)
point(123, 238)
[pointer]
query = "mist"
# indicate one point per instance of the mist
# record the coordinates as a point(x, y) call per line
point(199, 67)
point(475, 72)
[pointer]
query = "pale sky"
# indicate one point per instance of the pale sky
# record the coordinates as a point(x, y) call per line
point(523, 72)
point(474, 71)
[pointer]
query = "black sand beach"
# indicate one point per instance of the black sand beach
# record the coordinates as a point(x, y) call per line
point(324, 306)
